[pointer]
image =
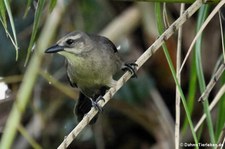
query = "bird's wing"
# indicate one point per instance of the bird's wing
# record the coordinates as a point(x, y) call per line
point(73, 84)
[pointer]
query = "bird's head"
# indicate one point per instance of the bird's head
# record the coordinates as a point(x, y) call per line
point(73, 44)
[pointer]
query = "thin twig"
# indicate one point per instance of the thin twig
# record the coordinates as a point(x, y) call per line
point(61, 87)
point(211, 106)
point(212, 83)
point(209, 18)
point(218, 73)
point(12, 79)
point(222, 143)
point(177, 120)
point(141, 60)
point(222, 35)
point(221, 139)
point(25, 134)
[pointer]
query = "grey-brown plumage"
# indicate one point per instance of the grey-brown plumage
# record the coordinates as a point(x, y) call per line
point(92, 62)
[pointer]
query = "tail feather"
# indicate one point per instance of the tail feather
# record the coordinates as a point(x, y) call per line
point(82, 107)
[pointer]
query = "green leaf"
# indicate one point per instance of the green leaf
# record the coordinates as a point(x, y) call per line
point(14, 39)
point(200, 75)
point(37, 17)
point(2, 14)
point(52, 4)
point(169, 60)
point(27, 8)
point(191, 93)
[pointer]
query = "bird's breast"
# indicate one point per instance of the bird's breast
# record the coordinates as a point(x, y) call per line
point(93, 71)
point(88, 73)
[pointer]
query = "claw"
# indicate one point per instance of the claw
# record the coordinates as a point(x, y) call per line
point(100, 98)
point(131, 67)
point(95, 103)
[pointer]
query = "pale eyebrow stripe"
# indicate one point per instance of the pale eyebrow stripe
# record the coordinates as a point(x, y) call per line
point(75, 37)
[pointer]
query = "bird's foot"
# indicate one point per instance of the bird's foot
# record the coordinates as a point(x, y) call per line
point(95, 103)
point(131, 67)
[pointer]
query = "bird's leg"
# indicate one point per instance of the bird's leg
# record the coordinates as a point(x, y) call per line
point(131, 67)
point(95, 103)
point(100, 98)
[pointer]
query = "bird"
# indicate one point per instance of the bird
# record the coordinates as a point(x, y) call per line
point(92, 61)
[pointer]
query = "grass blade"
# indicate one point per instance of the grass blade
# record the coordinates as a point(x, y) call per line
point(35, 28)
point(52, 4)
point(27, 8)
point(14, 39)
point(160, 30)
point(3, 15)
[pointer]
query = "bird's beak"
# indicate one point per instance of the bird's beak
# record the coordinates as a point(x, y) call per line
point(54, 49)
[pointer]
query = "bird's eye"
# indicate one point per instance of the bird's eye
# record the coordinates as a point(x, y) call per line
point(70, 41)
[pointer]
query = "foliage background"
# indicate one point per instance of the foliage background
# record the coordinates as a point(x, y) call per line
point(142, 113)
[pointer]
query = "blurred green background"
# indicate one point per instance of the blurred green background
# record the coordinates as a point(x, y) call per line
point(141, 115)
